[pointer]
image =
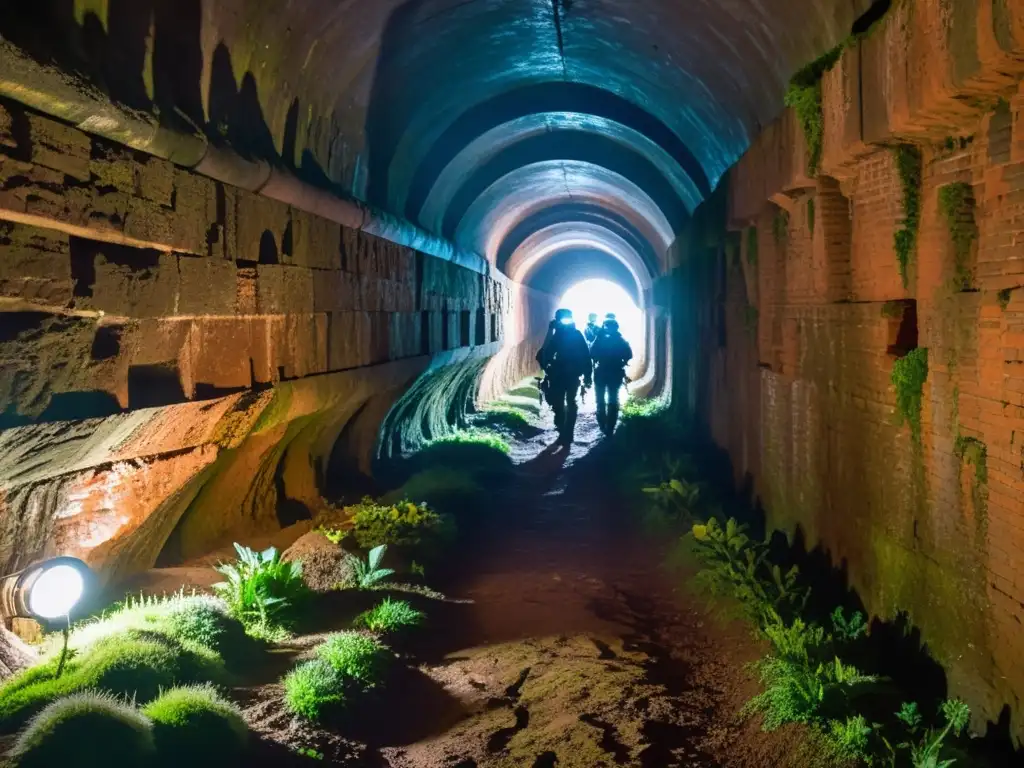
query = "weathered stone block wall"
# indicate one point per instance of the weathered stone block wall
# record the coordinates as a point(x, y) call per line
point(182, 362)
point(812, 312)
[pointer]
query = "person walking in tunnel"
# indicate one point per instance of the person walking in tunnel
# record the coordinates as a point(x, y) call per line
point(610, 353)
point(565, 359)
point(591, 332)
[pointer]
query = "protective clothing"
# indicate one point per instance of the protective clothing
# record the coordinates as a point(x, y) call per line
point(591, 332)
point(611, 353)
point(564, 358)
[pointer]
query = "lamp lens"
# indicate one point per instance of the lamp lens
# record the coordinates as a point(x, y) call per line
point(566, 321)
point(56, 592)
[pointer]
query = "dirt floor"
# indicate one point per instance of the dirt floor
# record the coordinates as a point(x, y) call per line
point(568, 643)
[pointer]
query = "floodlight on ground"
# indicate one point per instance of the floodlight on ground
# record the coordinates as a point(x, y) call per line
point(46, 591)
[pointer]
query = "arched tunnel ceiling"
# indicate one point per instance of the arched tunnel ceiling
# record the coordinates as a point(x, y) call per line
point(480, 120)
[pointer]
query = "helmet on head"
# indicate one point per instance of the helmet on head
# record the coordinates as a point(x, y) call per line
point(592, 318)
point(563, 316)
point(610, 316)
point(610, 325)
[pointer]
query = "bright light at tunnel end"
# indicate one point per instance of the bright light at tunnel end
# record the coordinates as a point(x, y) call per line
point(602, 297)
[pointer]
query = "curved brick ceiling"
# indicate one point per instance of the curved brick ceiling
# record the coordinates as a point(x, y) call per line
point(481, 120)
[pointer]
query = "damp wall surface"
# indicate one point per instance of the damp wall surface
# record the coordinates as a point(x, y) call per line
point(794, 311)
point(183, 363)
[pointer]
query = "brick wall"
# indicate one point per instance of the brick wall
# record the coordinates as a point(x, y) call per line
point(800, 391)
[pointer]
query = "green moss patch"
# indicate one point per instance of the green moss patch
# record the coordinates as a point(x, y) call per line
point(195, 726)
point(780, 226)
point(909, 374)
point(956, 203)
point(908, 166)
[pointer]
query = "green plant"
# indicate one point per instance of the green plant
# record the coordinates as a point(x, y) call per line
point(642, 408)
point(262, 591)
point(312, 689)
point(195, 726)
point(402, 524)
point(735, 567)
point(908, 166)
point(752, 246)
point(780, 226)
point(848, 630)
point(333, 535)
point(474, 437)
point(369, 572)
point(850, 739)
point(1003, 297)
point(309, 752)
point(389, 616)
point(504, 415)
point(359, 659)
point(804, 691)
point(810, 214)
point(675, 498)
point(923, 745)
point(86, 730)
point(956, 202)
point(136, 663)
point(804, 96)
point(909, 374)
point(417, 570)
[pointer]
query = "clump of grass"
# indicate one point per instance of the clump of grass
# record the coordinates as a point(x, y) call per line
point(263, 591)
point(908, 166)
point(312, 689)
point(482, 437)
point(390, 616)
point(642, 408)
point(86, 730)
point(360, 659)
point(348, 665)
point(195, 726)
point(402, 524)
point(136, 664)
point(909, 374)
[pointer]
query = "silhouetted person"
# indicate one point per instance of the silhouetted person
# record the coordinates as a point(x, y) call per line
point(610, 353)
point(565, 358)
point(590, 333)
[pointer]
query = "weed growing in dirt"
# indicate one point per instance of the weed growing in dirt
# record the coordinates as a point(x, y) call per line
point(196, 726)
point(474, 437)
point(312, 689)
point(137, 664)
point(389, 617)
point(736, 567)
point(403, 524)
point(675, 498)
point(924, 747)
point(333, 535)
point(368, 572)
point(360, 659)
point(262, 591)
point(86, 730)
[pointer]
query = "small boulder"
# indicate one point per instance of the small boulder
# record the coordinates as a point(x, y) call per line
point(324, 565)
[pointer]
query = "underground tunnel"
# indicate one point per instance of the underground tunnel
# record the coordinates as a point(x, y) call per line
point(299, 462)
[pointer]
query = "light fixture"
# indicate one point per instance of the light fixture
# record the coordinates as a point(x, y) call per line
point(48, 591)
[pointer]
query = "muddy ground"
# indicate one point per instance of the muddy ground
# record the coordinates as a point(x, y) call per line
point(566, 642)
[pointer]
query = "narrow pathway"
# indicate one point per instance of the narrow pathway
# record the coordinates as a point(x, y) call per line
point(578, 647)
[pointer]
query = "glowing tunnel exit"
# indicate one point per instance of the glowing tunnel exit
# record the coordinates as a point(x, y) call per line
point(602, 297)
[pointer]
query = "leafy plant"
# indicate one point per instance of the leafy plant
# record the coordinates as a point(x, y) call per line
point(262, 591)
point(136, 663)
point(908, 166)
point(642, 408)
point(848, 630)
point(333, 535)
point(195, 726)
point(780, 226)
point(909, 374)
point(309, 752)
point(389, 616)
point(86, 730)
point(956, 203)
point(804, 95)
point(736, 567)
point(369, 572)
point(359, 659)
point(850, 739)
point(313, 688)
point(675, 498)
point(924, 746)
point(403, 523)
